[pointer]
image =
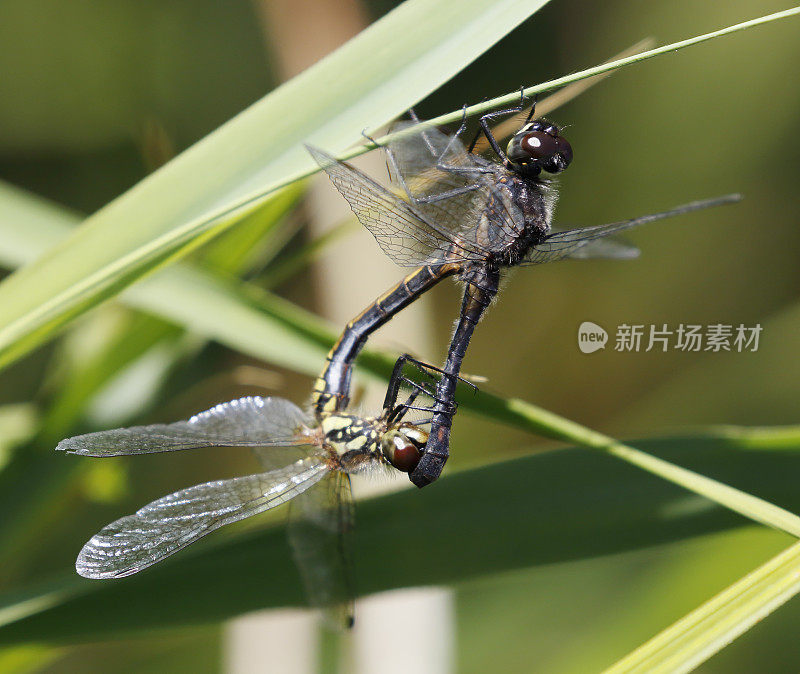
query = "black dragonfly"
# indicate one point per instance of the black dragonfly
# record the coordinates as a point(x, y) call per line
point(459, 213)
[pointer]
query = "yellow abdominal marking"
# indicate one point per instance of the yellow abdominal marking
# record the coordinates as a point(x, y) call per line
point(357, 443)
point(334, 423)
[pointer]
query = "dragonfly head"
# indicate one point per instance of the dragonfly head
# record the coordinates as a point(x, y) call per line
point(402, 446)
point(537, 146)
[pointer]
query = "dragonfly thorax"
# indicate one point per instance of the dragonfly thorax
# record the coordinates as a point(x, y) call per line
point(351, 437)
point(359, 441)
point(529, 200)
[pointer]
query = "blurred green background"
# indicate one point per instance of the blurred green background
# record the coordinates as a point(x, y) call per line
point(96, 95)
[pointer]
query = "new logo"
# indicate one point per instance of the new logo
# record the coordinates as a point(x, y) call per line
point(591, 337)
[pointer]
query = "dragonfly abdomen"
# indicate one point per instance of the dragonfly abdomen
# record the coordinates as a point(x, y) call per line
point(331, 390)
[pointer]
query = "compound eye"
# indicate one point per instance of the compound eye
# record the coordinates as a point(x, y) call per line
point(539, 145)
point(560, 159)
point(404, 454)
point(565, 150)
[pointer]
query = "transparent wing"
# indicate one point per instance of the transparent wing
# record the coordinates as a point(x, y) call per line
point(569, 243)
point(277, 456)
point(417, 155)
point(403, 232)
point(430, 163)
point(459, 191)
point(170, 523)
point(246, 422)
point(609, 248)
point(320, 531)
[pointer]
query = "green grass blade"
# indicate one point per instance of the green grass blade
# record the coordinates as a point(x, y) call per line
point(540, 421)
point(258, 323)
point(261, 149)
point(542, 509)
point(240, 247)
point(708, 629)
point(246, 319)
point(493, 103)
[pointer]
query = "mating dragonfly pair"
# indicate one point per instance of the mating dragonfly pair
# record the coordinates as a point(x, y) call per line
point(458, 213)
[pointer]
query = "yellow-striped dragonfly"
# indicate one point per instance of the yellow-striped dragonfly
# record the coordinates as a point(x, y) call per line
point(324, 453)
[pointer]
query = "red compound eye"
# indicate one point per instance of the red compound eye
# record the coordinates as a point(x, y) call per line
point(405, 454)
point(539, 145)
point(551, 153)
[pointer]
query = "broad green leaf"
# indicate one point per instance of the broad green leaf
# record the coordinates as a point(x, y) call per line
point(364, 84)
point(708, 629)
point(542, 509)
point(245, 318)
point(538, 420)
point(258, 323)
point(240, 248)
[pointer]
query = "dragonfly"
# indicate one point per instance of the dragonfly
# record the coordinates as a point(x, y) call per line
point(458, 213)
point(307, 461)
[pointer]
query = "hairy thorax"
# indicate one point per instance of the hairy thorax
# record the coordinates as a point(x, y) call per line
point(516, 216)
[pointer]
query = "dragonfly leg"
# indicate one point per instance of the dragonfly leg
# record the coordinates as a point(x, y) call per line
point(484, 127)
point(462, 127)
point(398, 411)
point(440, 164)
point(413, 114)
point(532, 113)
point(427, 368)
point(398, 378)
point(441, 196)
point(449, 168)
point(370, 139)
point(394, 169)
point(477, 296)
point(439, 156)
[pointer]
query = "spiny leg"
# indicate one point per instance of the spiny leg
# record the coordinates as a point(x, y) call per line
point(394, 167)
point(427, 368)
point(396, 413)
point(398, 378)
point(484, 127)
